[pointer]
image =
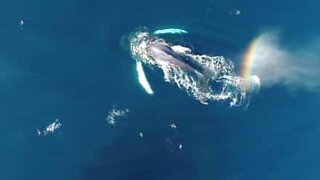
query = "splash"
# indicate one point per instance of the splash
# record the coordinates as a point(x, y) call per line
point(206, 78)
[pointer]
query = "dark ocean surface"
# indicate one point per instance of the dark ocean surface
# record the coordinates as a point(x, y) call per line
point(69, 60)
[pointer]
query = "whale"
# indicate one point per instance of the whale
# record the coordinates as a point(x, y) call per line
point(206, 78)
point(150, 49)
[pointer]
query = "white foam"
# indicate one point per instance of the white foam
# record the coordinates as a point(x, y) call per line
point(50, 129)
point(114, 114)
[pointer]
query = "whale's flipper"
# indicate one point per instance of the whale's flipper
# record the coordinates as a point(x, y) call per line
point(170, 31)
point(143, 79)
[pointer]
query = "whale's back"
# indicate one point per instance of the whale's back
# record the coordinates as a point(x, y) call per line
point(164, 53)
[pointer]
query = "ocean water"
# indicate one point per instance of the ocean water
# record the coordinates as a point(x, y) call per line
point(69, 60)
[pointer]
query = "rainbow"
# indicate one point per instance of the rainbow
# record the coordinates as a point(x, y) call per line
point(250, 80)
point(248, 59)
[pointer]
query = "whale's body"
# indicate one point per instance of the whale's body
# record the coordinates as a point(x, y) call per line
point(163, 54)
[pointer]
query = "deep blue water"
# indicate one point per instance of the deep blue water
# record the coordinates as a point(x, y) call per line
point(69, 61)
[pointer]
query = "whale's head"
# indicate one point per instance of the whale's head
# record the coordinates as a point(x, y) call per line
point(153, 50)
point(139, 43)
